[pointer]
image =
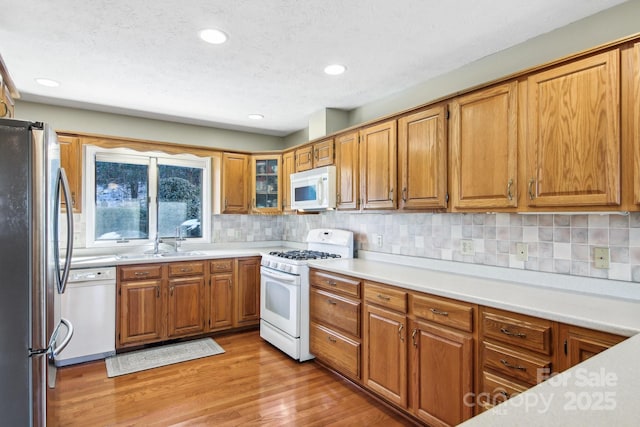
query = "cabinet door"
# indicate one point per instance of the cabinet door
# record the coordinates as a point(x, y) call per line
point(140, 312)
point(235, 183)
point(573, 147)
point(266, 194)
point(288, 167)
point(385, 354)
point(484, 147)
point(347, 175)
point(579, 344)
point(422, 159)
point(304, 158)
point(186, 309)
point(323, 153)
point(631, 111)
point(221, 301)
point(441, 363)
point(248, 292)
point(378, 160)
point(70, 160)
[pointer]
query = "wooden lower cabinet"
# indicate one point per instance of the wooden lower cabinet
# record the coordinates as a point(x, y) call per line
point(220, 297)
point(335, 311)
point(247, 292)
point(385, 352)
point(186, 306)
point(158, 302)
point(441, 378)
point(576, 344)
point(140, 317)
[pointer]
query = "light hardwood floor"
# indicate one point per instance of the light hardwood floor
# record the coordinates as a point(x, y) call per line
point(251, 384)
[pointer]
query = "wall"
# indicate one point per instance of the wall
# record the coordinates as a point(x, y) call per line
point(73, 119)
point(603, 27)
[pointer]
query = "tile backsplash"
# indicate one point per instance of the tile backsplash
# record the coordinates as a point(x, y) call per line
point(556, 243)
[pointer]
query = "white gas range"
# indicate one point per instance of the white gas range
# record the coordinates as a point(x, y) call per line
point(284, 289)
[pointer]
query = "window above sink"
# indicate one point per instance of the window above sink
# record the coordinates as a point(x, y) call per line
point(132, 197)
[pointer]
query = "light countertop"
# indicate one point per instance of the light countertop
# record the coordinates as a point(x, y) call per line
point(601, 391)
point(614, 315)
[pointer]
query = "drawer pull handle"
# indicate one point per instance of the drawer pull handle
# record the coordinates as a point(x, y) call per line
point(504, 393)
point(185, 269)
point(331, 283)
point(384, 297)
point(439, 312)
point(141, 273)
point(413, 337)
point(331, 302)
point(513, 334)
point(331, 339)
point(400, 334)
point(510, 366)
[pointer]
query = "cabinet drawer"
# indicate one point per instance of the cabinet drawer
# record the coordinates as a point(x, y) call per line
point(221, 266)
point(335, 282)
point(522, 331)
point(497, 389)
point(137, 272)
point(335, 350)
point(514, 364)
point(186, 269)
point(335, 311)
point(394, 299)
point(449, 313)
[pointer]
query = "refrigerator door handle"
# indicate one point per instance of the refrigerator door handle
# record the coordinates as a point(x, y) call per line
point(61, 279)
point(54, 351)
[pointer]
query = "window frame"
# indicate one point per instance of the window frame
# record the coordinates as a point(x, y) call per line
point(153, 159)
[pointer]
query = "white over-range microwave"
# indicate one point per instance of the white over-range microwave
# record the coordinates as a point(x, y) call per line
point(314, 190)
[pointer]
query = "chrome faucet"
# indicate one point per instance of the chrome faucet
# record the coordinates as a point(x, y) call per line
point(156, 244)
point(179, 238)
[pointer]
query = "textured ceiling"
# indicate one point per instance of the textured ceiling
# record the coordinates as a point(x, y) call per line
point(144, 58)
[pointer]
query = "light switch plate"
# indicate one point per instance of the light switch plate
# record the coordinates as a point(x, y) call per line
point(379, 240)
point(601, 257)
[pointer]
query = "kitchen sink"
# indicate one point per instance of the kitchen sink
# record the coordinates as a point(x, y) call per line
point(162, 254)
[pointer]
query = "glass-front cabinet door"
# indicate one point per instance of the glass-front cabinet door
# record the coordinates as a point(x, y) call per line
point(266, 192)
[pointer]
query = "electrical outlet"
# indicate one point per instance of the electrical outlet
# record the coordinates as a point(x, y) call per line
point(522, 251)
point(467, 247)
point(601, 257)
point(379, 240)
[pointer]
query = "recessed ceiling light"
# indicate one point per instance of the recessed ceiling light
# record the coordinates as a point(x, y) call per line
point(256, 116)
point(47, 82)
point(213, 36)
point(335, 69)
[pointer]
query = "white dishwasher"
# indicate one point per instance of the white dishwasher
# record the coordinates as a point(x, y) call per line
point(90, 304)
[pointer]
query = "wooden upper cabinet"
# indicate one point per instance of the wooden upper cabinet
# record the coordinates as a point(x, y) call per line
point(323, 153)
point(422, 159)
point(631, 102)
point(314, 155)
point(304, 158)
point(71, 161)
point(288, 167)
point(266, 195)
point(484, 147)
point(378, 160)
point(235, 183)
point(347, 172)
point(8, 92)
point(573, 146)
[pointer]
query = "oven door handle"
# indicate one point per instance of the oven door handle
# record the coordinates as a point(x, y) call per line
point(290, 278)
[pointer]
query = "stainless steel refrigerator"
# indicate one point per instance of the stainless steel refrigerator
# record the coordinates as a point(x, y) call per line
point(31, 183)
